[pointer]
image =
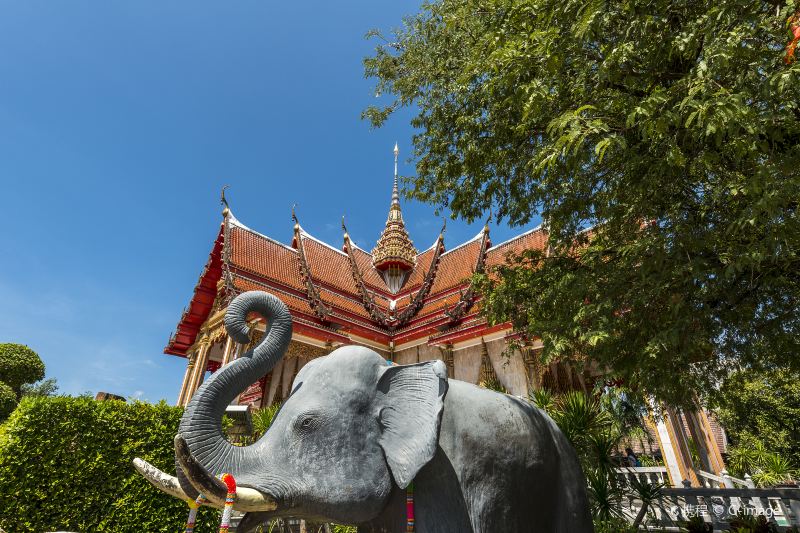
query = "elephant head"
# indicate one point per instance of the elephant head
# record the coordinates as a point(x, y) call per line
point(351, 429)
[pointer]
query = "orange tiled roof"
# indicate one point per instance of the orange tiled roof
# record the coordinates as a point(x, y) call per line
point(257, 254)
point(418, 274)
point(256, 262)
point(535, 239)
point(456, 266)
point(293, 302)
point(327, 264)
point(348, 304)
point(368, 272)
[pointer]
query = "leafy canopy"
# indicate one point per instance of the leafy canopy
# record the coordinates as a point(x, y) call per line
point(8, 401)
point(46, 387)
point(671, 128)
point(19, 365)
point(761, 414)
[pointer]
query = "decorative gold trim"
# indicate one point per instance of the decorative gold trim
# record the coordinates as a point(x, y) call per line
point(470, 296)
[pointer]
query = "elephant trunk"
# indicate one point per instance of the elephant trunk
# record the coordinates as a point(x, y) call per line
point(201, 425)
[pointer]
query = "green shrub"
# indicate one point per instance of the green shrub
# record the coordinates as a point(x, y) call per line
point(8, 400)
point(19, 365)
point(65, 465)
point(613, 525)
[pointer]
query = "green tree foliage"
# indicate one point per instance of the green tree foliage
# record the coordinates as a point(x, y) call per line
point(762, 410)
point(761, 413)
point(46, 387)
point(19, 365)
point(65, 465)
point(8, 400)
point(670, 127)
point(262, 419)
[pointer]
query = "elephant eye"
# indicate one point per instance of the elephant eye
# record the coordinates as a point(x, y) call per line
point(307, 422)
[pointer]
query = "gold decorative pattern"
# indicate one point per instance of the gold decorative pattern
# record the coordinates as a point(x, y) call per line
point(470, 296)
point(394, 246)
point(319, 307)
point(488, 375)
point(446, 352)
point(301, 349)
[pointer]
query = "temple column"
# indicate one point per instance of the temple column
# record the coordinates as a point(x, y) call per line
point(675, 450)
point(700, 430)
point(487, 375)
point(532, 367)
point(447, 356)
point(187, 376)
point(201, 364)
point(227, 354)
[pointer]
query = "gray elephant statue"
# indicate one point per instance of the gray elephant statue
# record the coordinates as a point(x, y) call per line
point(355, 432)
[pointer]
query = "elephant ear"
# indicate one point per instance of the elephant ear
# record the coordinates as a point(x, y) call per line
point(411, 398)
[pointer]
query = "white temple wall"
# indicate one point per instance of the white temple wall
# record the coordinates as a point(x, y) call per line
point(406, 356)
point(509, 367)
point(429, 353)
point(467, 363)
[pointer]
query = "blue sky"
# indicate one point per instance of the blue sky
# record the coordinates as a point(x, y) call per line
point(119, 124)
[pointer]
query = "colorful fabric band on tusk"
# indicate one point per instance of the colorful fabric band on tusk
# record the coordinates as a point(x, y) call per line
point(230, 482)
point(193, 507)
point(227, 511)
point(410, 508)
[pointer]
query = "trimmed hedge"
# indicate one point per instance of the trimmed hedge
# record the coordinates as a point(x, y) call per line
point(8, 400)
point(66, 465)
point(19, 365)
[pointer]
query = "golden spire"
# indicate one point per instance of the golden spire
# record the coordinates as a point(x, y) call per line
point(394, 253)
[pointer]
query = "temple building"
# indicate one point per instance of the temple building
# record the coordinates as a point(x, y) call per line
point(408, 305)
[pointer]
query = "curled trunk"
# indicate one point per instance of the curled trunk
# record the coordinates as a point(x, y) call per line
point(201, 425)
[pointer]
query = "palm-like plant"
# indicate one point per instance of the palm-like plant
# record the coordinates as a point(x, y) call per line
point(262, 419)
point(773, 470)
point(542, 399)
point(595, 425)
point(605, 494)
point(767, 467)
point(580, 415)
point(647, 493)
point(746, 457)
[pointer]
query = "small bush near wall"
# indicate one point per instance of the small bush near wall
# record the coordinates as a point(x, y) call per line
point(66, 465)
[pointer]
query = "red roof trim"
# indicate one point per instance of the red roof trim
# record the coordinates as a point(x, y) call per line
point(468, 331)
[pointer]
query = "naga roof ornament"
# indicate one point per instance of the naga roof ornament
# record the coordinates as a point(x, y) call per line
point(315, 301)
point(468, 298)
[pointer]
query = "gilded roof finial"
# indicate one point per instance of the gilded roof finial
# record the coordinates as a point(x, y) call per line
point(444, 226)
point(488, 220)
point(395, 194)
point(226, 210)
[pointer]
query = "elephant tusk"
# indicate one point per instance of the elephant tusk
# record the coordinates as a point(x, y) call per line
point(215, 491)
point(162, 481)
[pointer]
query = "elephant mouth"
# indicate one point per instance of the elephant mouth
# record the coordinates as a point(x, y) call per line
point(213, 489)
